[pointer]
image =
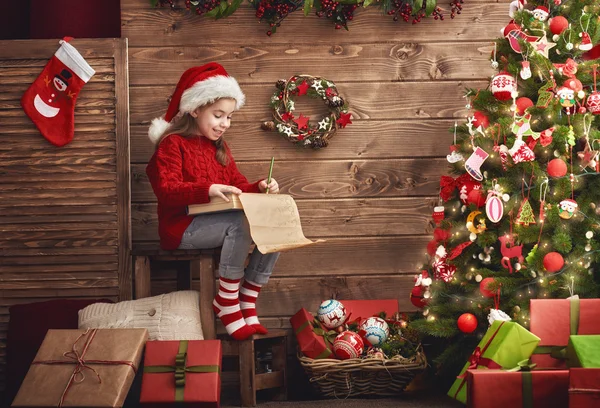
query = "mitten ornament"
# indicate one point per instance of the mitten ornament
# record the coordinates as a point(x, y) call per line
point(50, 100)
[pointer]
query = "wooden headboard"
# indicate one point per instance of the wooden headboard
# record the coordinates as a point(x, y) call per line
point(65, 228)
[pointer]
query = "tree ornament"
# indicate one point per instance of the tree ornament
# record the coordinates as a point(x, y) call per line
point(514, 36)
point(586, 41)
point(525, 72)
point(494, 208)
point(542, 46)
point(593, 100)
point(558, 24)
point(476, 197)
point(541, 13)
point(467, 323)
point(348, 345)
point(546, 92)
point(417, 298)
point(557, 168)
point(568, 69)
point(376, 331)
point(522, 127)
point(512, 26)
point(508, 252)
point(331, 313)
point(515, 5)
point(497, 314)
point(525, 215)
point(475, 225)
point(455, 156)
point(553, 262)
point(503, 85)
point(567, 208)
point(480, 119)
point(483, 288)
point(438, 213)
point(522, 104)
point(473, 163)
point(299, 130)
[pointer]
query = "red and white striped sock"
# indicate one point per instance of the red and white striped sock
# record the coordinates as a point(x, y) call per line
point(248, 295)
point(227, 308)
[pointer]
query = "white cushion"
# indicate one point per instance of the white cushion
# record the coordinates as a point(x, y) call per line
point(172, 316)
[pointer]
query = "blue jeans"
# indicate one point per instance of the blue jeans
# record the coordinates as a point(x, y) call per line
point(231, 231)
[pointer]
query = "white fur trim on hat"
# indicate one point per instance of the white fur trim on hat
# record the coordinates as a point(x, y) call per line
point(157, 128)
point(209, 90)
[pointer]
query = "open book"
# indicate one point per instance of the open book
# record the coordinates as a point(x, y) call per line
point(216, 204)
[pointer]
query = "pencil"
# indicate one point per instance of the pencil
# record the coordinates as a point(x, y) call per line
point(270, 174)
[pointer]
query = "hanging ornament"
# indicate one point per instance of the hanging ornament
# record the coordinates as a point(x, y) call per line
point(525, 72)
point(484, 289)
point(417, 298)
point(525, 215)
point(589, 157)
point(516, 35)
point(508, 252)
point(568, 69)
point(586, 41)
point(476, 197)
point(480, 120)
point(455, 156)
point(546, 136)
point(473, 163)
point(542, 46)
point(496, 313)
point(558, 24)
point(546, 92)
point(540, 13)
point(566, 97)
point(522, 104)
point(486, 256)
point(593, 100)
point(503, 85)
point(520, 152)
point(515, 5)
point(567, 208)
point(467, 323)
point(494, 208)
point(553, 262)
point(438, 213)
point(557, 168)
point(522, 127)
point(475, 226)
point(493, 61)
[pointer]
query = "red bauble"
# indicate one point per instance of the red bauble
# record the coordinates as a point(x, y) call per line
point(480, 120)
point(593, 103)
point(558, 24)
point(477, 197)
point(522, 104)
point(416, 297)
point(483, 288)
point(503, 85)
point(553, 262)
point(574, 84)
point(467, 323)
point(557, 168)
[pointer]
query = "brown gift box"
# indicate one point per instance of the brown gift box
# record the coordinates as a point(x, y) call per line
point(83, 368)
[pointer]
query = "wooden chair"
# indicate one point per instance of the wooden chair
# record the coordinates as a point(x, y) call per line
point(202, 264)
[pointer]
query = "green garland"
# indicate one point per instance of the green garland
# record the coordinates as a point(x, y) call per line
point(297, 128)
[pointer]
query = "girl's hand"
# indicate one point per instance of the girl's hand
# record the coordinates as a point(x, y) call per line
point(220, 190)
point(273, 186)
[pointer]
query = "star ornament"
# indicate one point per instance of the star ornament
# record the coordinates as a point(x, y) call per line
point(542, 46)
point(324, 124)
point(345, 119)
point(302, 122)
point(302, 88)
point(317, 85)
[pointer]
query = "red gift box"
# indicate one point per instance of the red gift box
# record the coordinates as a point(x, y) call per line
point(366, 308)
point(311, 344)
point(519, 389)
point(184, 371)
point(584, 388)
point(554, 320)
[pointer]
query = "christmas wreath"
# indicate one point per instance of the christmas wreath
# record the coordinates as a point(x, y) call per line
point(298, 128)
point(211, 8)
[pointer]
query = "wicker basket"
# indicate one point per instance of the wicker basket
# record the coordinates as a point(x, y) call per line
point(357, 376)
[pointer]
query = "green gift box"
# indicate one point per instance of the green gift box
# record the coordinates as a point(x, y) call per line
point(504, 345)
point(583, 351)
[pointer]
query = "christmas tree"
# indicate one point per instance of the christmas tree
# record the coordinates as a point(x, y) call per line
point(520, 216)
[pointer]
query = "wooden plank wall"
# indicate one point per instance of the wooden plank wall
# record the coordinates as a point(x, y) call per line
point(371, 192)
point(64, 212)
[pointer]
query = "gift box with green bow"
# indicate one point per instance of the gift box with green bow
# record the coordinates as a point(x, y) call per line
point(313, 339)
point(504, 345)
point(184, 372)
point(554, 320)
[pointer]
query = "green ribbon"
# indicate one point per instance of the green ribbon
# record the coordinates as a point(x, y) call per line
point(527, 388)
point(180, 369)
point(560, 352)
point(523, 365)
point(328, 336)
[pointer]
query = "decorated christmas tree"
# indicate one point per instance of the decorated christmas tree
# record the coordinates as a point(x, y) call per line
point(519, 218)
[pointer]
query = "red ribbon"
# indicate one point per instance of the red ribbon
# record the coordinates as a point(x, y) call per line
point(476, 360)
point(448, 184)
point(77, 376)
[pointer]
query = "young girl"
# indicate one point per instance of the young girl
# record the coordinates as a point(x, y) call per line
point(193, 163)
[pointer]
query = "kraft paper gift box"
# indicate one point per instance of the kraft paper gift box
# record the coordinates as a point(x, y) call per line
point(584, 387)
point(363, 309)
point(583, 351)
point(313, 340)
point(182, 373)
point(504, 345)
point(83, 368)
point(554, 320)
point(517, 389)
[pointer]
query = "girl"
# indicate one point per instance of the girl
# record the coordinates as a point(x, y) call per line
point(193, 163)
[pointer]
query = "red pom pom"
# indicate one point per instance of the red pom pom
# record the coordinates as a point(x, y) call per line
point(477, 197)
point(553, 262)
point(483, 288)
point(574, 84)
point(480, 119)
point(522, 104)
point(416, 297)
point(558, 24)
point(467, 323)
point(557, 168)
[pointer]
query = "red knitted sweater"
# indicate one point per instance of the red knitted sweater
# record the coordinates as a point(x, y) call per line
point(181, 171)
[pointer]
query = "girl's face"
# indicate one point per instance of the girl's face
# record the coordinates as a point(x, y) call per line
point(213, 120)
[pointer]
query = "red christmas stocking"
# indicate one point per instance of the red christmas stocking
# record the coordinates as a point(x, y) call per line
point(50, 100)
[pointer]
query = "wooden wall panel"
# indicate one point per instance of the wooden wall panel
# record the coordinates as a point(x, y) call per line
point(371, 191)
point(64, 211)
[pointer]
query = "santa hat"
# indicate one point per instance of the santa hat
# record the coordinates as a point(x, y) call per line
point(197, 86)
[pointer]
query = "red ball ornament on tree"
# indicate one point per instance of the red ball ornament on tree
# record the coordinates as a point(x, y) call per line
point(480, 120)
point(558, 24)
point(467, 323)
point(483, 288)
point(477, 197)
point(522, 104)
point(557, 168)
point(417, 298)
point(553, 262)
point(503, 85)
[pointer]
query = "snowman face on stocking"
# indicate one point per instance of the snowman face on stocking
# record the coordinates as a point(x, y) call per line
point(59, 84)
point(567, 208)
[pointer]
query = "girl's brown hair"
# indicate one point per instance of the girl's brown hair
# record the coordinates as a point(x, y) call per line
point(185, 125)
